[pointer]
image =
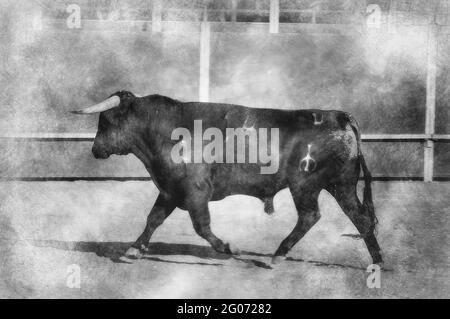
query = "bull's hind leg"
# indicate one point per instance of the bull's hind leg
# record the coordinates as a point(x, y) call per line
point(347, 198)
point(306, 202)
point(161, 210)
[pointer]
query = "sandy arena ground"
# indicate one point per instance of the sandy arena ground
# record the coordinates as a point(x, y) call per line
point(47, 226)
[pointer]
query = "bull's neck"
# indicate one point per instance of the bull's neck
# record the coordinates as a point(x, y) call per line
point(146, 154)
point(143, 152)
point(149, 140)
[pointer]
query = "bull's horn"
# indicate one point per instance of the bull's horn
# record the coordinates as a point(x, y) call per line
point(107, 104)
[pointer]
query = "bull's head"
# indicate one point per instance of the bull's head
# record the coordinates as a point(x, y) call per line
point(115, 125)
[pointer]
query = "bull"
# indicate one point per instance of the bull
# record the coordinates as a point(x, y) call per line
point(317, 150)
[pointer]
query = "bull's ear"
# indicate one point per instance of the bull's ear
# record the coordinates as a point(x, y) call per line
point(125, 106)
point(121, 112)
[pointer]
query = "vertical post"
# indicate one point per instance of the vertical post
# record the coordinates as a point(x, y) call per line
point(37, 19)
point(156, 16)
point(315, 8)
point(392, 16)
point(313, 16)
point(430, 102)
point(274, 17)
point(205, 34)
point(233, 10)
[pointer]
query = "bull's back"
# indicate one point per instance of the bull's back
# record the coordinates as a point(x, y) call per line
point(236, 116)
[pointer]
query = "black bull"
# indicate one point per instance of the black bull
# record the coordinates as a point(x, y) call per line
point(330, 139)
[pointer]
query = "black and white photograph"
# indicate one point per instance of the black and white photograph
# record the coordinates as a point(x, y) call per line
point(225, 150)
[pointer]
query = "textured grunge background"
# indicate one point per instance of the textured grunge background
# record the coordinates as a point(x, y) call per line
point(48, 222)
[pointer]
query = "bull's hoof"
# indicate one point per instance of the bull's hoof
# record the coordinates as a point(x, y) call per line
point(233, 250)
point(145, 249)
point(278, 259)
point(133, 253)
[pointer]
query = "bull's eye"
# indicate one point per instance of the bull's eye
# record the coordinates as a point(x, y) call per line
point(113, 118)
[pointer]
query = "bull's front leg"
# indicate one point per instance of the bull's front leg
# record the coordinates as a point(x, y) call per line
point(198, 194)
point(201, 221)
point(161, 210)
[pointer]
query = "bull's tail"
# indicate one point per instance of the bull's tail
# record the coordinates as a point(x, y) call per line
point(367, 197)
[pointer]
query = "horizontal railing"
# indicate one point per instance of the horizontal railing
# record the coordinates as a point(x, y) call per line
point(91, 136)
point(223, 26)
point(232, 10)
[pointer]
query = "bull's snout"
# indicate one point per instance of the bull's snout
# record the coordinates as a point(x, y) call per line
point(99, 153)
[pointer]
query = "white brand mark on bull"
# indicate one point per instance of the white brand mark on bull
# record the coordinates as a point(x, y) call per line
point(310, 163)
point(316, 120)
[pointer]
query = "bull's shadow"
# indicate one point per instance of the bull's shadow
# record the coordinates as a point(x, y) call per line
point(114, 250)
